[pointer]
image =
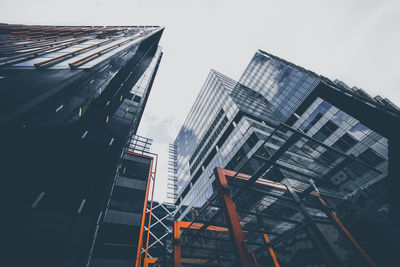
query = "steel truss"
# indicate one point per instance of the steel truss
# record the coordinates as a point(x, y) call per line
point(253, 220)
point(254, 246)
point(159, 236)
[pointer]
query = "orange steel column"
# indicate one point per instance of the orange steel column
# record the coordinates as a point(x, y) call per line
point(177, 244)
point(148, 261)
point(231, 218)
point(339, 224)
point(151, 209)
point(270, 249)
point(140, 243)
point(266, 238)
point(254, 258)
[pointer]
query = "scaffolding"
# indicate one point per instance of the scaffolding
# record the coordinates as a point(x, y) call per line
point(241, 229)
point(161, 229)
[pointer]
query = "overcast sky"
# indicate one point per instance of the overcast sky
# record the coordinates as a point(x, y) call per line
point(357, 42)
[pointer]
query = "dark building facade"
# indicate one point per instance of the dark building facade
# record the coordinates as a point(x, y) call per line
point(119, 236)
point(307, 127)
point(71, 97)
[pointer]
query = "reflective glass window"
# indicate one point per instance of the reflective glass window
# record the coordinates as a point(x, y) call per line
point(370, 157)
point(358, 131)
point(325, 131)
point(315, 116)
point(344, 143)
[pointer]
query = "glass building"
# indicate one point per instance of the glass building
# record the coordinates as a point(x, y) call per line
point(232, 122)
point(70, 99)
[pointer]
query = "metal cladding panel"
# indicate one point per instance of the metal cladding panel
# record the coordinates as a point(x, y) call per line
point(121, 217)
point(125, 212)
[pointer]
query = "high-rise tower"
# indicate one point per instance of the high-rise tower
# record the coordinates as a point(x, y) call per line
point(71, 97)
point(272, 90)
point(290, 128)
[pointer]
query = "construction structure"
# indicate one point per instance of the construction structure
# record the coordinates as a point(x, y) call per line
point(254, 220)
point(322, 149)
point(269, 170)
point(159, 247)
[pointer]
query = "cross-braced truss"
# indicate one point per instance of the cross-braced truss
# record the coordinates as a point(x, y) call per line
point(160, 229)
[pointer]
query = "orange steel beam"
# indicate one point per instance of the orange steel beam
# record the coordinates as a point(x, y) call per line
point(231, 218)
point(140, 155)
point(197, 226)
point(338, 223)
point(140, 242)
point(177, 236)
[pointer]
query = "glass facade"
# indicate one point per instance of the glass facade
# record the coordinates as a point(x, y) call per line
point(282, 85)
point(130, 111)
point(212, 108)
point(346, 134)
point(70, 99)
point(236, 122)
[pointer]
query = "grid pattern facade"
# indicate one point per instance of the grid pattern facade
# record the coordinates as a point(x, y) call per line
point(208, 104)
point(70, 99)
point(346, 134)
point(283, 86)
point(268, 93)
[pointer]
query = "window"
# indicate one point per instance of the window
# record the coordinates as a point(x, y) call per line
point(242, 152)
point(313, 122)
point(325, 131)
point(370, 157)
point(344, 143)
point(355, 170)
point(329, 157)
point(315, 116)
point(358, 131)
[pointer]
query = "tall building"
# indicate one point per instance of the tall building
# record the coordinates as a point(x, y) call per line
point(272, 90)
point(71, 98)
point(289, 125)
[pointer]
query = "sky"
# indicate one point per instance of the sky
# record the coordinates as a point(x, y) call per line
point(356, 41)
